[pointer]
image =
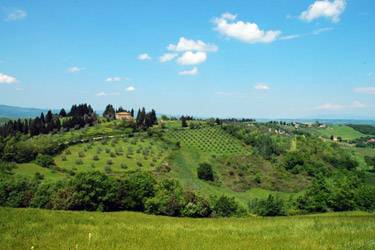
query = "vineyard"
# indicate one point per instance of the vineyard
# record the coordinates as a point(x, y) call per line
point(211, 140)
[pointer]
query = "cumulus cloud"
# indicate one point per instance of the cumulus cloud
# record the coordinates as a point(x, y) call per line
point(16, 15)
point(167, 57)
point(144, 57)
point(243, 31)
point(107, 94)
point(75, 69)
point(192, 58)
point(113, 79)
point(262, 86)
point(130, 89)
point(335, 106)
point(192, 72)
point(192, 45)
point(7, 79)
point(324, 8)
point(365, 90)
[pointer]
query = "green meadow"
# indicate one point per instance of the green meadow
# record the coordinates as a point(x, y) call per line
point(43, 229)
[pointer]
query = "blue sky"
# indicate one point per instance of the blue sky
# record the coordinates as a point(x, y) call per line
point(268, 59)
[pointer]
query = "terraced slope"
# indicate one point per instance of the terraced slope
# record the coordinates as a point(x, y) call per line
point(210, 139)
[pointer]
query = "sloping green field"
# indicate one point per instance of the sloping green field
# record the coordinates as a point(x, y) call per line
point(343, 131)
point(43, 229)
point(210, 139)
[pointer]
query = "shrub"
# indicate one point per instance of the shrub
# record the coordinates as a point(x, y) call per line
point(272, 206)
point(107, 169)
point(44, 160)
point(134, 190)
point(168, 199)
point(225, 206)
point(123, 165)
point(43, 195)
point(79, 161)
point(92, 191)
point(16, 192)
point(205, 172)
point(95, 158)
point(63, 158)
point(109, 162)
point(113, 155)
point(81, 154)
point(6, 167)
point(195, 206)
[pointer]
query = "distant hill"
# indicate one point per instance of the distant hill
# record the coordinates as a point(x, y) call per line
point(19, 112)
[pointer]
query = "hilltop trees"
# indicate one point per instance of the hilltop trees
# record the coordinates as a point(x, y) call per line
point(146, 120)
point(78, 117)
point(109, 112)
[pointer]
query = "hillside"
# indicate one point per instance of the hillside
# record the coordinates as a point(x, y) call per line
point(203, 168)
point(42, 229)
point(19, 112)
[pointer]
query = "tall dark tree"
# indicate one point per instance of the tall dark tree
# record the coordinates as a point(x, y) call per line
point(109, 112)
point(62, 113)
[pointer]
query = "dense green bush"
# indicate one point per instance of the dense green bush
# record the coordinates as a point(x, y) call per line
point(168, 199)
point(45, 161)
point(92, 191)
point(195, 206)
point(16, 192)
point(339, 192)
point(134, 190)
point(205, 172)
point(226, 206)
point(272, 206)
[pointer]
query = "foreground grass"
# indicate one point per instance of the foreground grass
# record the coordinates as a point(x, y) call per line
point(43, 229)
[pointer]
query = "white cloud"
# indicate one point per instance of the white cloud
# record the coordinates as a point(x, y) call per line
point(7, 79)
point(290, 37)
point(75, 69)
point(333, 106)
point(192, 72)
point(107, 94)
point(167, 57)
point(262, 86)
point(365, 90)
point(244, 31)
point(318, 31)
point(192, 58)
point(16, 15)
point(130, 89)
point(144, 57)
point(324, 8)
point(191, 45)
point(113, 79)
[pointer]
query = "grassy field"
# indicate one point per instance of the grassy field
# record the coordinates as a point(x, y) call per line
point(43, 229)
point(343, 131)
point(117, 154)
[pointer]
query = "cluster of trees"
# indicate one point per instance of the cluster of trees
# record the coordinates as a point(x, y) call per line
point(145, 120)
point(341, 191)
point(94, 191)
point(110, 112)
point(139, 191)
point(78, 117)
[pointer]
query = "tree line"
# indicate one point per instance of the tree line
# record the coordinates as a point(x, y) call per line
point(79, 116)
